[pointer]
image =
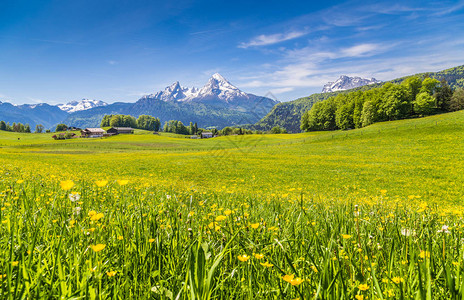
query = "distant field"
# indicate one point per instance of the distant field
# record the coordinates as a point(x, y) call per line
point(373, 213)
point(412, 157)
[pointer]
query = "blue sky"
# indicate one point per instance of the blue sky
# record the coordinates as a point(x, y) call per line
point(59, 51)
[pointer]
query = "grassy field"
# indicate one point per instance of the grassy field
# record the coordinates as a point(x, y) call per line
point(374, 213)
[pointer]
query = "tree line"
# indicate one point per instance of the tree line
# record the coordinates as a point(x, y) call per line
point(19, 127)
point(413, 97)
point(142, 122)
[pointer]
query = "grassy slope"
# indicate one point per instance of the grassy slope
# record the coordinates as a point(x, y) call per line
point(288, 114)
point(410, 157)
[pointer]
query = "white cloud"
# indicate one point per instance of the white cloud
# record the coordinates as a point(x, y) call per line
point(264, 40)
point(360, 50)
point(112, 62)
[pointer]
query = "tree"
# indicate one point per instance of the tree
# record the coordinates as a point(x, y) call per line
point(61, 127)
point(457, 100)
point(430, 85)
point(443, 96)
point(367, 114)
point(344, 116)
point(39, 128)
point(27, 128)
point(278, 130)
point(3, 125)
point(424, 103)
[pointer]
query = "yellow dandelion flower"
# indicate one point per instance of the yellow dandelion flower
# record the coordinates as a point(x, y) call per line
point(67, 185)
point(363, 287)
point(98, 247)
point(120, 237)
point(111, 273)
point(151, 240)
point(14, 263)
point(221, 218)
point(258, 255)
point(227, 212)
point(101, 183)
point(359, 297)
point(243, 257)
point(424, 254)
point(346, 236)
point(19, 181)
point(255, 225)
point(266, 264)
point(96, 217)
point(122, 182)
point(397, 279)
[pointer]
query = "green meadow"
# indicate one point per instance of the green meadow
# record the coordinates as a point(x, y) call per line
point(371, 213)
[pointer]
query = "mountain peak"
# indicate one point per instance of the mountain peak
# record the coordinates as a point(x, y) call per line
point(83, 104)
point(218, 77)
point(346, 82)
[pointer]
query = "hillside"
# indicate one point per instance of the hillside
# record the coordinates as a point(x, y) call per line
point(288, 114)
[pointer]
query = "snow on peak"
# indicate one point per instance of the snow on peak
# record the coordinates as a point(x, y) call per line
point(84, 104)
point(346, 83)
point(216, 87)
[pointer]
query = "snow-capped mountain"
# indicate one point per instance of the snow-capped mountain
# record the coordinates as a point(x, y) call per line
point(346, 83)
point(217, 103)
point(217, 88)
point(84, 104)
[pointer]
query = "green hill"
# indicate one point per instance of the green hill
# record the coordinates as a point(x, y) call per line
point(288, 114)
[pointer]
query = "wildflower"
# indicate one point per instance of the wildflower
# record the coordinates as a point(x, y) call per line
point(191, 213)
point(292, 280)
point(243, 257)
point(120, 237)
point(98, 247)
point(111, 273)
point(266, 264)
point(221, 218)
point(19, 181)
point(424, 254)
point(346, 236)
point(92, 213)
point(363, 287)
point(408, 232)
point(227, 212)
point(67, 185)
point(397, 280)
point(122, 182)
point(77, 210)
point(255, 225)
point(97, 217)
point(74, 197)
point(151, 240)
point(359, 297)
point(14, 263)
point(314, 269)
point(101, 183)
point(258, 255)
point(444, 229)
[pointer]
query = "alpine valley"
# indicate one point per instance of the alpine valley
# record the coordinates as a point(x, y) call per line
point(218, 104)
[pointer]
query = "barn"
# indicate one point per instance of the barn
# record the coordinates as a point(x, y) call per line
point(120, 130)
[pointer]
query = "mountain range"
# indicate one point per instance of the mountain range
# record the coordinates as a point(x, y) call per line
point(346, 83)
point(218, 103)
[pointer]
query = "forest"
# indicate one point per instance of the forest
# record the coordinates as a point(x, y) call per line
point(393, 101)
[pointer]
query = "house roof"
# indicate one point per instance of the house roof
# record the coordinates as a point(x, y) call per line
point(94, 130)
point(122, 128)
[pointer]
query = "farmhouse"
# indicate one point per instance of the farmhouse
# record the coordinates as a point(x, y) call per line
point(92, 132)
point(120, 130)
point(206, 135)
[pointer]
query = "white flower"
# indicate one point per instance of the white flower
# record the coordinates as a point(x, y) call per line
point(74, 197)
point(168, 197)
point(408, 232)
point(444, 229)
point(77, 210)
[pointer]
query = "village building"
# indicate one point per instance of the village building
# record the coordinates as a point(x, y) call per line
point(92, 132)
point(206, 135)
point(120, 130)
